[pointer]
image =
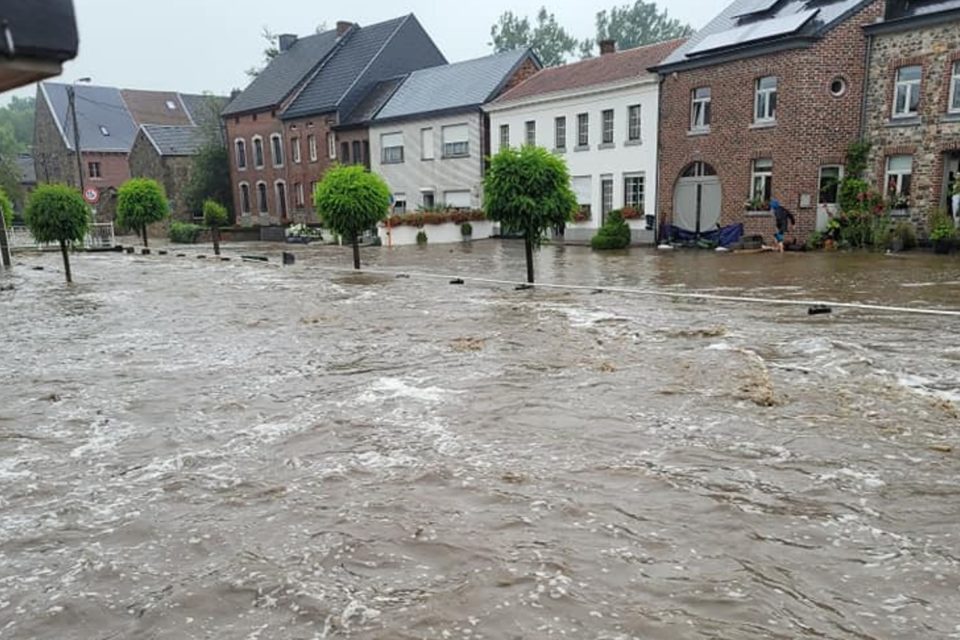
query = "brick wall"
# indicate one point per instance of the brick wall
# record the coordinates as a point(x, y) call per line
point(812, 128)
point(527, 69)
point(307, 171)
point(935, 134)
point(247, 127)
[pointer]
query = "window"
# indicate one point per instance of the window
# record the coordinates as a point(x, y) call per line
point(171, 105)
point(345, 153)
point(241, 154)
point(457, 199)
point(93, 168)
point(281, 188)
point(698, 170)
point(426, 144)
point(391, 145)
point(560, 133)
point(838, 87)
point(357, 152)
point(504, 136)
point(456, 143)
point(530, 133)
point(829, 185)
point(295, 150)
point(331, 147)
point(312, 147)
point(606, 196)
point(583, 188)
point(262, 197)
point(366, 153)
point(258, 152)
point(766, 100)
point(700, 109)
point(906, 97)
point(298, 193)
point(276, 143)
point(761, 185)
point(954, 106)
point(429, 201)
point(633, 192)
point(313, 189)
point(607, 137)
point(583, 130)
point(244, 197)
point(634, 123)
point(104, 131)
point(899, 178)
point(399, 203)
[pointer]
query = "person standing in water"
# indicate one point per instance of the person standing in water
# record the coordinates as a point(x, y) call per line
point(784, 219)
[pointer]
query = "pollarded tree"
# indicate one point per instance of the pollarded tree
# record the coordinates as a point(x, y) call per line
point(528, 189)
point(57, 213)
point(215, 216)
point(141, 201)
point(350, 200)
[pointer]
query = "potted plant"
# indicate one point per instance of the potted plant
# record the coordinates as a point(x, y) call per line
point(582, 214)
point(942, 232)
point(466, 230)
point(422, 238)
point(631, 213)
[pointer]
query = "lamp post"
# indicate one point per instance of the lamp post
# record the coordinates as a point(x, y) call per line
point(72, 97)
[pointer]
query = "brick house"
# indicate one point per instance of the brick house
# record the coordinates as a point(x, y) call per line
point(762, 104)
point(109, 121)
point(296, 118)
point(913, 106)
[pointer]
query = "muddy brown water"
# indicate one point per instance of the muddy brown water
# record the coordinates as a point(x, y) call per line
point(208, 450)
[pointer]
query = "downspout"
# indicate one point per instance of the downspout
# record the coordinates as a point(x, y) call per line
point(657, 164)
point(866, 87)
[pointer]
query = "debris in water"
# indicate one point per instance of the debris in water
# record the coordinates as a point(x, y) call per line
point(941, 448)
point(511, 477)
point(606, 367)
point(524, 287)
point(465, 345)
point(706, 332)
point(819, 310)
point(456, 281)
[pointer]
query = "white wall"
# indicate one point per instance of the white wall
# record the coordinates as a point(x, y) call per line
point(621, 160)
point(440, 174)
point(436, 233)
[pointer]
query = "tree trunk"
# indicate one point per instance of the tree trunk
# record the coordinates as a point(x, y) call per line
point(66, 260)
point(4, 244)
point(145, 242)
point(528, 241)
point(215, 232)
point(356, 252)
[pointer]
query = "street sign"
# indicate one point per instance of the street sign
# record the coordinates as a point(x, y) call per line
point(91, 195)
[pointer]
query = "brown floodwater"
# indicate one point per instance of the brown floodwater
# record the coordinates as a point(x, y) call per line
point(191, 449)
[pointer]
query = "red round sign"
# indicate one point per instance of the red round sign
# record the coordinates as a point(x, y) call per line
point(91, 195)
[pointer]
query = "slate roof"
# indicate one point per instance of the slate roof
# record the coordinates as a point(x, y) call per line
point(453, 86)
point(373, 101)
point(328, 87)
point(96, 107)
point(604, 69)
point(284, 73)
point(174, 140)
point(199, 107)
point(738, 13)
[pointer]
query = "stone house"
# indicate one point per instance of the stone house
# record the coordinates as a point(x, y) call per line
point(600, 115)
point(912, 115)
point(297, 118)
point(165, 153)
point(431, 139)
point(762, 104)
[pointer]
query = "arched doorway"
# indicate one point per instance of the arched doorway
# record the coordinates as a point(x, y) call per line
point(697, 199)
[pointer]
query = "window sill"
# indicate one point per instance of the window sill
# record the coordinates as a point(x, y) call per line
point(459, 155)
point(698, 132)
point(391, 162)
point(758, 214)
point(952, 116)
point(241, 168)
point(582, 148)
point(900, 213)
point(766, 124)
point(911, 121)
point(560, 150)
point(632, 143)
point(606, 145)
point(429, 159)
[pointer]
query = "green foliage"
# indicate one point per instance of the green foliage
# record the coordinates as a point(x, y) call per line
point(551, 42)
point(528, 190)
point(350, 200)
point(858, 154)
point(906, 234)
point(941, 226)
point(184, 232)
point(16, 123)
point(57, 213)
point(421, 237)
point(209, 177)
point(214, 214)
point(6, 208)
point(614, 234)
point(635, 26)
point(466, 229)
point(141, 201)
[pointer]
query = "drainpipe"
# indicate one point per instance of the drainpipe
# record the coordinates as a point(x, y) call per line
point(657, 167)
point(866, 87)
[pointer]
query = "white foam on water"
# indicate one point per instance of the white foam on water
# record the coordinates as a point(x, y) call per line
point(926, 387)
point(390, 388)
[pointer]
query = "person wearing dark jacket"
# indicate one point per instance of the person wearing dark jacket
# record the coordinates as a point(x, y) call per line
point(784, 219)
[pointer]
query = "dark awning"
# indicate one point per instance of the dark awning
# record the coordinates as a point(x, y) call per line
point(36, 38)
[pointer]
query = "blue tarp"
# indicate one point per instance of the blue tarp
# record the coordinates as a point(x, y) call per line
point(722, 237)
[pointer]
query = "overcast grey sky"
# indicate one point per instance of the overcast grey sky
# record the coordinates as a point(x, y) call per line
point(205, 45)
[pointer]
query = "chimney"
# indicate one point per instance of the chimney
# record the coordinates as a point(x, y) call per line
point(343, 26)
point(607, 47)
point(285, 41)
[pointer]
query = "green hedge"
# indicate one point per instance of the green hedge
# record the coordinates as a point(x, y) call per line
point(614, 234)
point(184, 232)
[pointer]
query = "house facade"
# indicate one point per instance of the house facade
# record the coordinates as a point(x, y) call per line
point(430, 139)
point(913, 107)
point(165, 153)
point(304, 113)
point(600, 115)
point(762, 104)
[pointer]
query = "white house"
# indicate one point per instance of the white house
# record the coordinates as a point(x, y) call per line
point(429, 141)
point(601, 116)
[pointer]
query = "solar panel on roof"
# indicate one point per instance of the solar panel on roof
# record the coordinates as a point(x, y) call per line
point(753, 32)
point(757, 6)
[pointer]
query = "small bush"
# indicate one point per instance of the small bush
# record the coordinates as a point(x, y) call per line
point(614, 234)
point(907, 235)
point(184, 232)
point(466, 229)
point(422, 238)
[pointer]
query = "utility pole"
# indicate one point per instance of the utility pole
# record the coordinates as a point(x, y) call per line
point(4, 244)
point(71, 94)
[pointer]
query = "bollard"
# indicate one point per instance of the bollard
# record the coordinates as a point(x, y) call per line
point(161, 252)
point(181, 255)
point(819, 310)
point(288, 258)
point(130, 249)
point(456, 281)
point(523, 287)
point(144, 251)
point(224, 259)
point(201, 257)
point(118, 248)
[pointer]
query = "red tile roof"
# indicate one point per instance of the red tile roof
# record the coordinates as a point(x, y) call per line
point(603, 69)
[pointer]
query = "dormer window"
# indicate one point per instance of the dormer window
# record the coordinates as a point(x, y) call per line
point(171, 105)
point(104, 131)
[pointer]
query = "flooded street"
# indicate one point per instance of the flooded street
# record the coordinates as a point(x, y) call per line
point(205, 450)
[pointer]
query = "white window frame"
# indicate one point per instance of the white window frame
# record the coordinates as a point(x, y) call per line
point(504, 136)
point(954, 105)
point(239, 143)
point(390, 155)
point(583, 130)
point(560, 133)
point(606, 203)
point(399, 198)
point(762, 178)
point(911, 89)
point(428, 151)
point(263, 206)
point(257, 142)
point(530, 133)
point(634, 123)
point(276, 142)
point(298, 194)
point(245, 206)
point(95, 164)
point(455, 148)
point(608, 120)
point(700, 109)
point(283, 205)
point(765, 100)
point(897, 176)
point(627, 200)
point(295, 149)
